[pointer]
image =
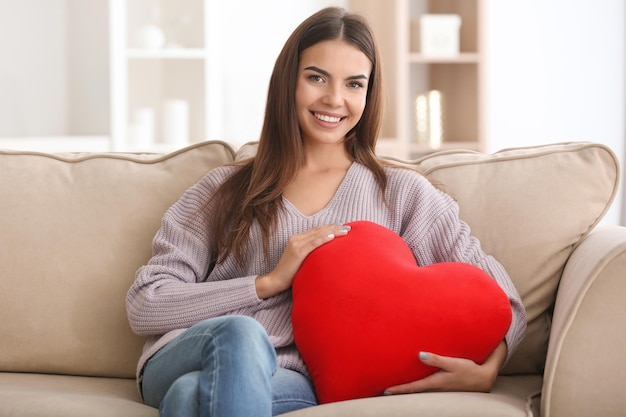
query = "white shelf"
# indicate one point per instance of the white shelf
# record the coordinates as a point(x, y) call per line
point(171, 53)
point(462, 58)
point(57, 143)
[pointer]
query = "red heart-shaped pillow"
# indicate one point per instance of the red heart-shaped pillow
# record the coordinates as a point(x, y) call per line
point(363, 310)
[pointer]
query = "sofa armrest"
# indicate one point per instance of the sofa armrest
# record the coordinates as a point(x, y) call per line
point(585, 370)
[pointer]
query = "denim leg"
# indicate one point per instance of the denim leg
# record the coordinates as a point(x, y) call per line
point(182, 397)
point(291, 391)
point(235, 360)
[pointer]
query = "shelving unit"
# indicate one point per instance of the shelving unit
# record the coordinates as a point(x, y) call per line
point(409, 73)
point(55, 91)
point(144, 77)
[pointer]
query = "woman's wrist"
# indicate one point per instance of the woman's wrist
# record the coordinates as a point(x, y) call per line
point(499, 355)
point(267, 286)
point(496, 360)
point(262, 286)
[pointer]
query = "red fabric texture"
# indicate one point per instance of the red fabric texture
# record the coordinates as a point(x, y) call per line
point(363, 310)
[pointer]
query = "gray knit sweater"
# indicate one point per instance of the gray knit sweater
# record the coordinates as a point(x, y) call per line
point(173, 292)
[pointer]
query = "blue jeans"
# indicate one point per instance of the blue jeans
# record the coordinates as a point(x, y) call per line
point(222, 367)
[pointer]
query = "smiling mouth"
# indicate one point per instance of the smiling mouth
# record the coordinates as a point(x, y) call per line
point(328, 119)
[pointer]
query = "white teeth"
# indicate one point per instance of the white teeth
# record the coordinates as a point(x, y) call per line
point(329, 119)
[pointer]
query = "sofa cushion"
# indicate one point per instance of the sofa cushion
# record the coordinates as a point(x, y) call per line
point(363, 310)
point(75, 228)
point(70, 396)
point(530, 207)
point(512, 396)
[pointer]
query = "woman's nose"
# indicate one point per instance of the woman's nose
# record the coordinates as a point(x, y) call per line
point(333, 96)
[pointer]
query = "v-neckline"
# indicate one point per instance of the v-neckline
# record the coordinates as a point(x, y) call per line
point(291, 207)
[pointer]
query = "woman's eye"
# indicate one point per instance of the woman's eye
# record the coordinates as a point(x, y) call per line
point(355, 84)
point(316, 78)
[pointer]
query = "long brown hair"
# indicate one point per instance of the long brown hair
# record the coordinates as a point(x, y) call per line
point(254, 192)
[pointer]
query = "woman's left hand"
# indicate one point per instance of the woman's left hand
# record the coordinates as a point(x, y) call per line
point(456, 374)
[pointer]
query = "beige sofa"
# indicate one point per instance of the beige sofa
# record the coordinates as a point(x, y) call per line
point(75, 227)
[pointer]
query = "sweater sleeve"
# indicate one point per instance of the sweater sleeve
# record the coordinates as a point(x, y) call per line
point(170, 292)
point(434, 231)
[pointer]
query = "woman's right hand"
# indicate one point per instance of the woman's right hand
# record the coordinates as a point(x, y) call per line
point(298, 248)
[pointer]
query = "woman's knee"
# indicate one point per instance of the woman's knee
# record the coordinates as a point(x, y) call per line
point(240, 335)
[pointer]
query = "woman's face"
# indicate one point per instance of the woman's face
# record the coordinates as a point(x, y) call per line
point(331, 90)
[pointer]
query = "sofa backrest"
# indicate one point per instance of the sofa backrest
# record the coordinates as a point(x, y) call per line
point(74, 229)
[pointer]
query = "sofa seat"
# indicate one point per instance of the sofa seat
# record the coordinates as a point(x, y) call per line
point(34, 395)
point(512, 396)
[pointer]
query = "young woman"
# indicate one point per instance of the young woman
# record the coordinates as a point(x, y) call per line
point(215, 296)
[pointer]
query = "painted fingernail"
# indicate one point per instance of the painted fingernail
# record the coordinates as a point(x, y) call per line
point(423, 356)
point(346, 228)
point(387, 393)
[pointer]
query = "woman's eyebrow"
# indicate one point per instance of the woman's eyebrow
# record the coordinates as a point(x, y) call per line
point(327, 74)
point(317, 69)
